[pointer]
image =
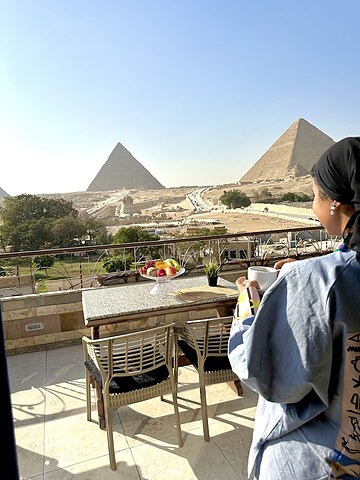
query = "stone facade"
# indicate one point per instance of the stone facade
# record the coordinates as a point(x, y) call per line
point(49, 320)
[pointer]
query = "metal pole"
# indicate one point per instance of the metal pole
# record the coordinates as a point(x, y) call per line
point(9, 462)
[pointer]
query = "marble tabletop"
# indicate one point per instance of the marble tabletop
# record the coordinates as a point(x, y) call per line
point(126, 300)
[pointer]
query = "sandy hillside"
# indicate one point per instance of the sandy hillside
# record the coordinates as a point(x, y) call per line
point(173, 204)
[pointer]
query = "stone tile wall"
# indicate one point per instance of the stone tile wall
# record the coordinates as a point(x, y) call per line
point(60, 318)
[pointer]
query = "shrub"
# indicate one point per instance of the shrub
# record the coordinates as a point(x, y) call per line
point(43, 261)
point(116, 263)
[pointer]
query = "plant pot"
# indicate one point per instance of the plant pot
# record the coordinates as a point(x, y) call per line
point(212, 281)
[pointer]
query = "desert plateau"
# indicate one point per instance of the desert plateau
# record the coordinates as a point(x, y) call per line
point(159, 207)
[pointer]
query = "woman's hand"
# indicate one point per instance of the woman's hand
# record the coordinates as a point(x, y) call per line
point(241, 283)
point(280, 263)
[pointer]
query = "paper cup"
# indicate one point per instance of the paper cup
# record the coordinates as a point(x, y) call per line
point(265, 276)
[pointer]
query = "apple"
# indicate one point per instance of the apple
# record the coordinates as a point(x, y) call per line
point(152, 271)
point(171, 271)
point(161, 272)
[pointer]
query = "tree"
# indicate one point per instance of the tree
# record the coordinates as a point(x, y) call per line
point(43, 261)
point(133, 234)
point(265, 194)
point(235, 199)
point(67, 231)
point(137, 234)
point(23, 208)
point(31, 235)
point(96, 232)
point(30, 222)
point(295, 197)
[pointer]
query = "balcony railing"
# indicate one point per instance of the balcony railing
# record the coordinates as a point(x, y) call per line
point(84, 266)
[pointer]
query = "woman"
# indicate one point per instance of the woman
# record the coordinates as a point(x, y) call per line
point(301, 350)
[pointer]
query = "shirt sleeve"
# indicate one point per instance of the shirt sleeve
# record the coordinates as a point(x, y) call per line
point(284, 352)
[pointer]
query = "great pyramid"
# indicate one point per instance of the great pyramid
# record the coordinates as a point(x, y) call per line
point(292, 155)
point(122, 170)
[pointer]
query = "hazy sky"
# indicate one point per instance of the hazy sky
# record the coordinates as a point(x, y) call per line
point(196, 90)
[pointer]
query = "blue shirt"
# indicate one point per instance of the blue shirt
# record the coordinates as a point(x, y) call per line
point(301, 354)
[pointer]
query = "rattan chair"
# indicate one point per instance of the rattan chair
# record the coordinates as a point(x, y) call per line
point(205, 344)
point(130, 368)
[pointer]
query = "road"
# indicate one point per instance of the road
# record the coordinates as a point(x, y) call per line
point(303, 217)
point(197, 202)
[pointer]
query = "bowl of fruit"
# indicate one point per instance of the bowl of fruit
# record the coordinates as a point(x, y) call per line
point(161, 271)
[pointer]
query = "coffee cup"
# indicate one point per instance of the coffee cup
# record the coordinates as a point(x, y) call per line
point(265, 276)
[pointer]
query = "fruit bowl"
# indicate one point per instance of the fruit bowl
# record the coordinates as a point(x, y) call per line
point(162, 284)
point(165, 278)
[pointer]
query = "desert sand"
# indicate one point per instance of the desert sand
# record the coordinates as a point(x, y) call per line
point(171, 204)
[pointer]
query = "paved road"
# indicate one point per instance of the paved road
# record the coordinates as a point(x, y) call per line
point(198, 203)
point(308, 217)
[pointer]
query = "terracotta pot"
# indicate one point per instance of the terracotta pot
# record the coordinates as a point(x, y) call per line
point(212, 281)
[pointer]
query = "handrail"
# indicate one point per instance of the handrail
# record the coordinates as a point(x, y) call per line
point(233, 251)
point(94, 248)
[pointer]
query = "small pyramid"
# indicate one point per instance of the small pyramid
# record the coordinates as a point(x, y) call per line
point(3, 193)
point(292, 155)
point(122, 170)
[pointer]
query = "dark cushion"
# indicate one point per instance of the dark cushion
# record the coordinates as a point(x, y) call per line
point(129, 383)
point(212, 363)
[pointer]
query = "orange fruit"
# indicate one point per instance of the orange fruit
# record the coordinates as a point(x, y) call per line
point(160, 264)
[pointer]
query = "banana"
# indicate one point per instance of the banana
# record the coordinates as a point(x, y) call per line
point(172, 263)
point(176, 265)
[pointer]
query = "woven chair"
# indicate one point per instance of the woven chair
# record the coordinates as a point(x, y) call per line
point(205, 344)
point(130, 368)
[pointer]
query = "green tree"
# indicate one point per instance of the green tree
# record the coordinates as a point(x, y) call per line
point(96, 232)
point(29, 222)
point(133, 234)
point(24, 208)
point(31, 235)
point(295, 197)
point(265, 193)
point(235, 199)
point(67, 231)
point(137, 234)
point(43, 261)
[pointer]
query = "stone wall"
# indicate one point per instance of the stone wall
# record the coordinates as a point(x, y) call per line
point(39, 321)
point(53, 319)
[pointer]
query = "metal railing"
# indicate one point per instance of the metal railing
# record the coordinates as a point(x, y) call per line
point(85, 266)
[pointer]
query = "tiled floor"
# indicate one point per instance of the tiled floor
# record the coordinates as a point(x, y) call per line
point(55, 441)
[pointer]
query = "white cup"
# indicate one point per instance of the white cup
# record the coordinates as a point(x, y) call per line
point(265, 276)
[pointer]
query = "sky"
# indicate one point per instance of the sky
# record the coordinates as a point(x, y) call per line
point(196, 90)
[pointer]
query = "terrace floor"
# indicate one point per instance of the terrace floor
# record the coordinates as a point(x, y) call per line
point(55, 441)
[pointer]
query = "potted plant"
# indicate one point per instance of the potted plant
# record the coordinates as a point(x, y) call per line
point(212, 270)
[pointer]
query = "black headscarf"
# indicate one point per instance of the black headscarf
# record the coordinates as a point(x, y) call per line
point(338, 173)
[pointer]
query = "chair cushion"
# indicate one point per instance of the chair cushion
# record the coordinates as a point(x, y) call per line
point(212, 363)
point(129, 383)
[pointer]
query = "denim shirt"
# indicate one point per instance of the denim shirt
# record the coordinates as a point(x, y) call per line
point(301, 354)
